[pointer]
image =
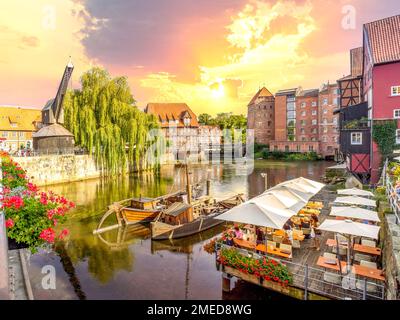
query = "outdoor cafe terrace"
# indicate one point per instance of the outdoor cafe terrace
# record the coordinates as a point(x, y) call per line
point(359, 274)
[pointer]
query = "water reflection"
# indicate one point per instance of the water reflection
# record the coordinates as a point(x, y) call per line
point(125, 263)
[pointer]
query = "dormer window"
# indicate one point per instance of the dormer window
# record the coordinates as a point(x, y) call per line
point(186, 122)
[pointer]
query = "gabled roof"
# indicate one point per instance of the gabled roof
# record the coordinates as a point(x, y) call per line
point(23, 118)
point(166, 112)
point(383, 37)
point(263, 92)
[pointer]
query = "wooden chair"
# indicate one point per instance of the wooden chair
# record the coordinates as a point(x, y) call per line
point(359, 256)
point(285, 248)
point(329, 255)
point(368, 243)
point(271, 244)
point(368, 264)
point(296, 244)
point(333, 278)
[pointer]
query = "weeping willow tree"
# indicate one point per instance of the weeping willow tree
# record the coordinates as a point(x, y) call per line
point(104, 120)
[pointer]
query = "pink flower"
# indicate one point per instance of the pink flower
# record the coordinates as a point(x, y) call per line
point(48, 235)
point(9, 223)
point(50, 214)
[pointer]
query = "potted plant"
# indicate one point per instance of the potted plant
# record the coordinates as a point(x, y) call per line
point(31, 215)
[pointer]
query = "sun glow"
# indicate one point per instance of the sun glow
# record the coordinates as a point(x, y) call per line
point(218, 91)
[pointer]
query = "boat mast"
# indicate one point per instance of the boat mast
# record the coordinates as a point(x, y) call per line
point(188, 187)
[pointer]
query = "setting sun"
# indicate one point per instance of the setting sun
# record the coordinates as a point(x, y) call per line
point(217, 90)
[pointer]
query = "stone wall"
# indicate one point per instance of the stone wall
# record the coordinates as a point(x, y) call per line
point(391, 257)
point(52, 169)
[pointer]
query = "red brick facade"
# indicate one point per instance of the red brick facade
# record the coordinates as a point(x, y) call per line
point(260, 116)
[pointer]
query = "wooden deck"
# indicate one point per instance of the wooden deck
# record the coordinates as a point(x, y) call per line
point(307, 255)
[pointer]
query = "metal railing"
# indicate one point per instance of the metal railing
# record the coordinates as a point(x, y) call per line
point(313, 280)
point(4, 283)
point(391, 194)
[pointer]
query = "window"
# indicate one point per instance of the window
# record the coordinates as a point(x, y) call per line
point(314, 122)
point(325, 129)
point(396, 91)
point(334, 139)
point(325, 101)
point(298, 148)
point(303, 138)
point(314, 103)
point(398, 136)
point(303, 105)
point(356, 138)
point(396, 113)
point(275, 148)
point(313, 139)
point(324, 139)
point(314, 112)
point(4, 134)
point(14, 134)
point(325, 111)
point(21, 134)
point(303, 122)
point(286, 148)
point(324, 121)
point(303, 113)
point(314, 130)
point(302, 131)
point(311, 148)
point(334, 120)
point(269, 123)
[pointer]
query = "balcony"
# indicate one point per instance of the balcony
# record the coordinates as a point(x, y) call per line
point(356, 124)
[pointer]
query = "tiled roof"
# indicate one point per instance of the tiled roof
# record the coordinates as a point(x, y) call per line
point(53, 130)
point(263, 92)
point(166, 112)
point(18, 118)
point(356, 61)
point(383, 37)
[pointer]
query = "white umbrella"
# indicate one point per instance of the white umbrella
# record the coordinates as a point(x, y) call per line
point(356, 201)
point(396, 158)
point(350, 228)
point(304, 186)
point(355, 192)
point(355, 213)
point(257, 214)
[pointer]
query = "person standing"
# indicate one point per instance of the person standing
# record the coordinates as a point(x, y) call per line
point(314, 231)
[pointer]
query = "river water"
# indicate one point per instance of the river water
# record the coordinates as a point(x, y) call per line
point(125, 263)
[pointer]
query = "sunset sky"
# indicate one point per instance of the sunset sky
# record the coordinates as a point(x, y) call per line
point(212, 54)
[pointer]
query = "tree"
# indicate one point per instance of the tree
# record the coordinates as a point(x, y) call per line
point(205, 118)
point(104, 120)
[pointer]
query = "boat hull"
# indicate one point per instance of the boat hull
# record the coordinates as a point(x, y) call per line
point(163, 231)
point(131, 215)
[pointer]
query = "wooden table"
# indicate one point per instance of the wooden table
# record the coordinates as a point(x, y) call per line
point(244, 244)
point(282, 233)
point(357, 247)
point(367, 249)
point(321, 262)
point(276, 251)
point(369, 272)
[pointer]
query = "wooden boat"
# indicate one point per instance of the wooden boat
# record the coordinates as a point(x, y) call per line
point(184, 219)
point(172, 216)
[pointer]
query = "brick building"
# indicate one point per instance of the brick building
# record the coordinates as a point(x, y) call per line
point(260, 116)
point(370, 94)
point(17, 124)
point(328, 121)
point(307, 115)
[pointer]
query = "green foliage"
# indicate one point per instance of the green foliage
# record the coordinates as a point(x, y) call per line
point(281, 155)
point(104, 120)
point(356, 123)
point(226, 121)
point(384, 134)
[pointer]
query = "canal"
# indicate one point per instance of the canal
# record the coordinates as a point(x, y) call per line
point(125, 263)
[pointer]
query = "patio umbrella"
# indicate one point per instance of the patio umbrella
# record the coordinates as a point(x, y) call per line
point(350, 228)
point(304, 187)
point(354, 212)
point(355, 201)
point(355, 192)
